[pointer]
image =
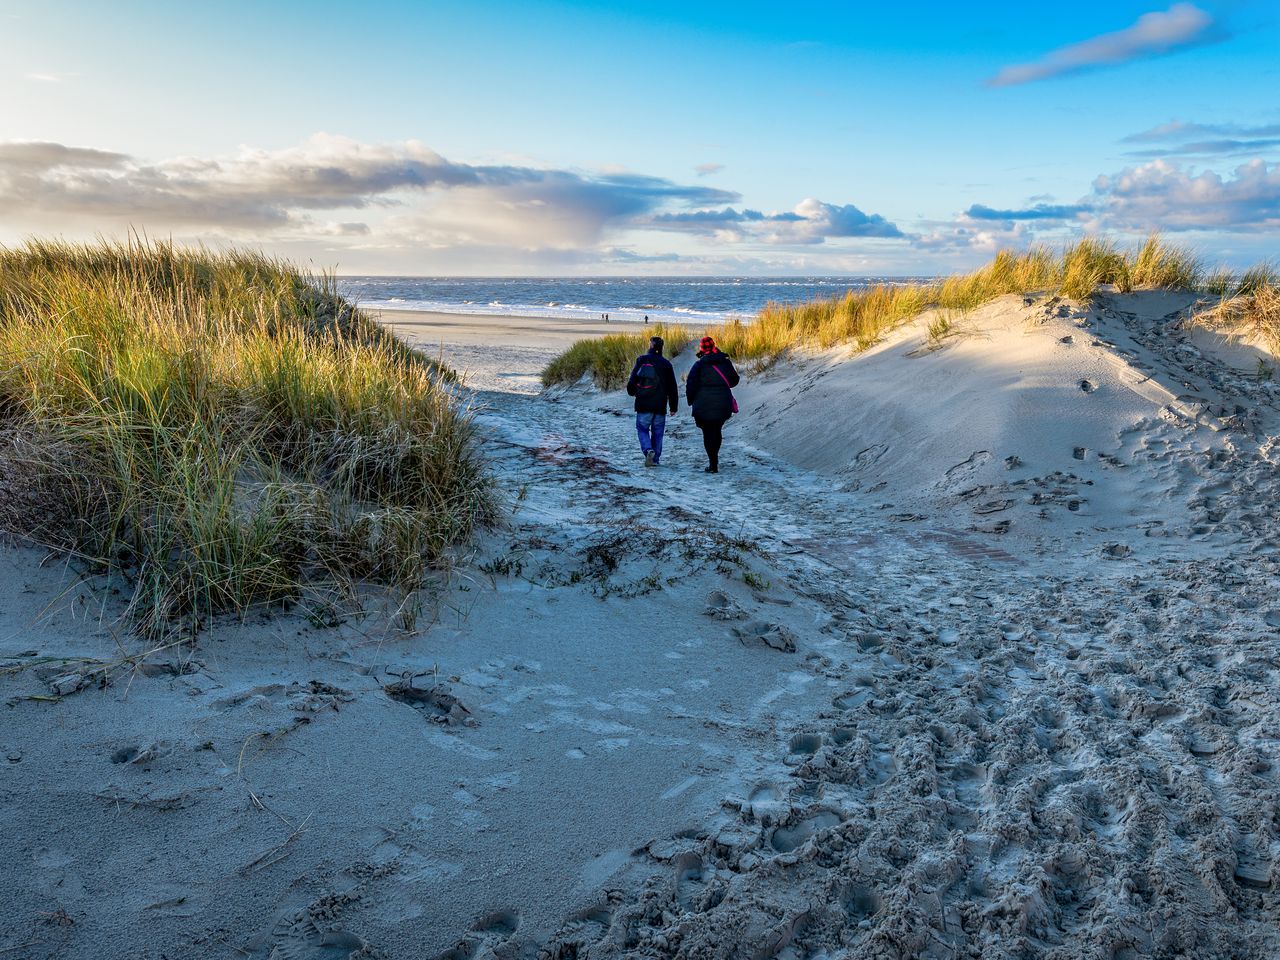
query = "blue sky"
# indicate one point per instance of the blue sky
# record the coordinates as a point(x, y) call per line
point(576, 138)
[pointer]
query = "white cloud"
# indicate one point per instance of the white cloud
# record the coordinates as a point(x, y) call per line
point(1165, 195)
point(1182, 25)
point(707, 169)
point(966, 235)
point(809, 222)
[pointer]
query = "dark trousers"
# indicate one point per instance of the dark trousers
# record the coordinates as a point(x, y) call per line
point(712, 436)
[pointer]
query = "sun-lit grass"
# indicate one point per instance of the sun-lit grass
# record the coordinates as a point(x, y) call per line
point(1161, 266)
point(1258, 277)
point(863, 316)
point(1087, 265)
point(608, 359)
point(1219, 283)
point(943, 325)
point(1253, 313)
point(220, 429)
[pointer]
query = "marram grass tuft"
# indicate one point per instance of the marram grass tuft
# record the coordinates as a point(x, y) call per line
point(221, 430)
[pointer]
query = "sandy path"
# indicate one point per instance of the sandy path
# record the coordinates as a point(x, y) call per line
point(981, 746)
point(1024, 753)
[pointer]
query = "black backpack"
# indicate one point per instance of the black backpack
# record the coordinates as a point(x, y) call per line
point(648, 383)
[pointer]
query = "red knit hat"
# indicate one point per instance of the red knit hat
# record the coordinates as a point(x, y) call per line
point(707, 345)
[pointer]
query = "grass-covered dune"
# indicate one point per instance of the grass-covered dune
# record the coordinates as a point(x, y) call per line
point(220, 430)
point(863, 316)
point(608, 359)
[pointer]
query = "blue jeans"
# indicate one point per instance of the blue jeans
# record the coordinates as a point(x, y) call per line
point(651, 427)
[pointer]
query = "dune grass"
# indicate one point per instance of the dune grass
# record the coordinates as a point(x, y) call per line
point(221, 430)
point(608, 359)
point(863, 316)
point(1251, 312)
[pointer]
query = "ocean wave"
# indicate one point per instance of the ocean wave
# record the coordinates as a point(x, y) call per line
point(671, 299)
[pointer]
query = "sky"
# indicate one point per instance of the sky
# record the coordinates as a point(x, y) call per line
point(546, 139)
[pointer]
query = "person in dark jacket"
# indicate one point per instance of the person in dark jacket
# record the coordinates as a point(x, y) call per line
point(709, 390)
point(653, 384)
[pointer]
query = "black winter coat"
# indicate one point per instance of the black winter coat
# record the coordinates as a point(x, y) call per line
point(666, 395)
point(708, 391)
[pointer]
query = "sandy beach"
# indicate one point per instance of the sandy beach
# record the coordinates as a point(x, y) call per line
point(968, 651)
point(495, 352)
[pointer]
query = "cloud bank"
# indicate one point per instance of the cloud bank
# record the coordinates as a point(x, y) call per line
point(404, 204)
point(810, 221)
point(405, 194)
point(1153, 34)
point(1161, 195)
point(278, 189)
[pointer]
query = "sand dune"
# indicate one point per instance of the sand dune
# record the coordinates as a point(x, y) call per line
point(1029, 577)
point(1042, 418)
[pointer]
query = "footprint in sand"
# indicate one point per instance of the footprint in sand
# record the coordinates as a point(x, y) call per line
point(690, 879)
point(587, 926)
point(305, 940)
point(993, 506)
point(486, 935)
point(859, 901)
point(1253, 868)
point(793, 836)
point(436, 703)
point(765, 803)
point(140, 756)
point(841, 735)
point(773, 635)
point(803, 746)
point(852, 700)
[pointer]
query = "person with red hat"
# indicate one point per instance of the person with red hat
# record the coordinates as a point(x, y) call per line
point(709, 390)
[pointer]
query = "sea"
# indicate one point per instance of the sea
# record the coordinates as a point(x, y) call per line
point(671, 299)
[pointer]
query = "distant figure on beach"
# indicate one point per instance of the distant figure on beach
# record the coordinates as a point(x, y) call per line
point(709, 391)
point(646, 318)
point(653, 384)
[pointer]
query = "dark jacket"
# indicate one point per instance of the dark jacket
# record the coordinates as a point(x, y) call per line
point(666, 395)
point(707, 391)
